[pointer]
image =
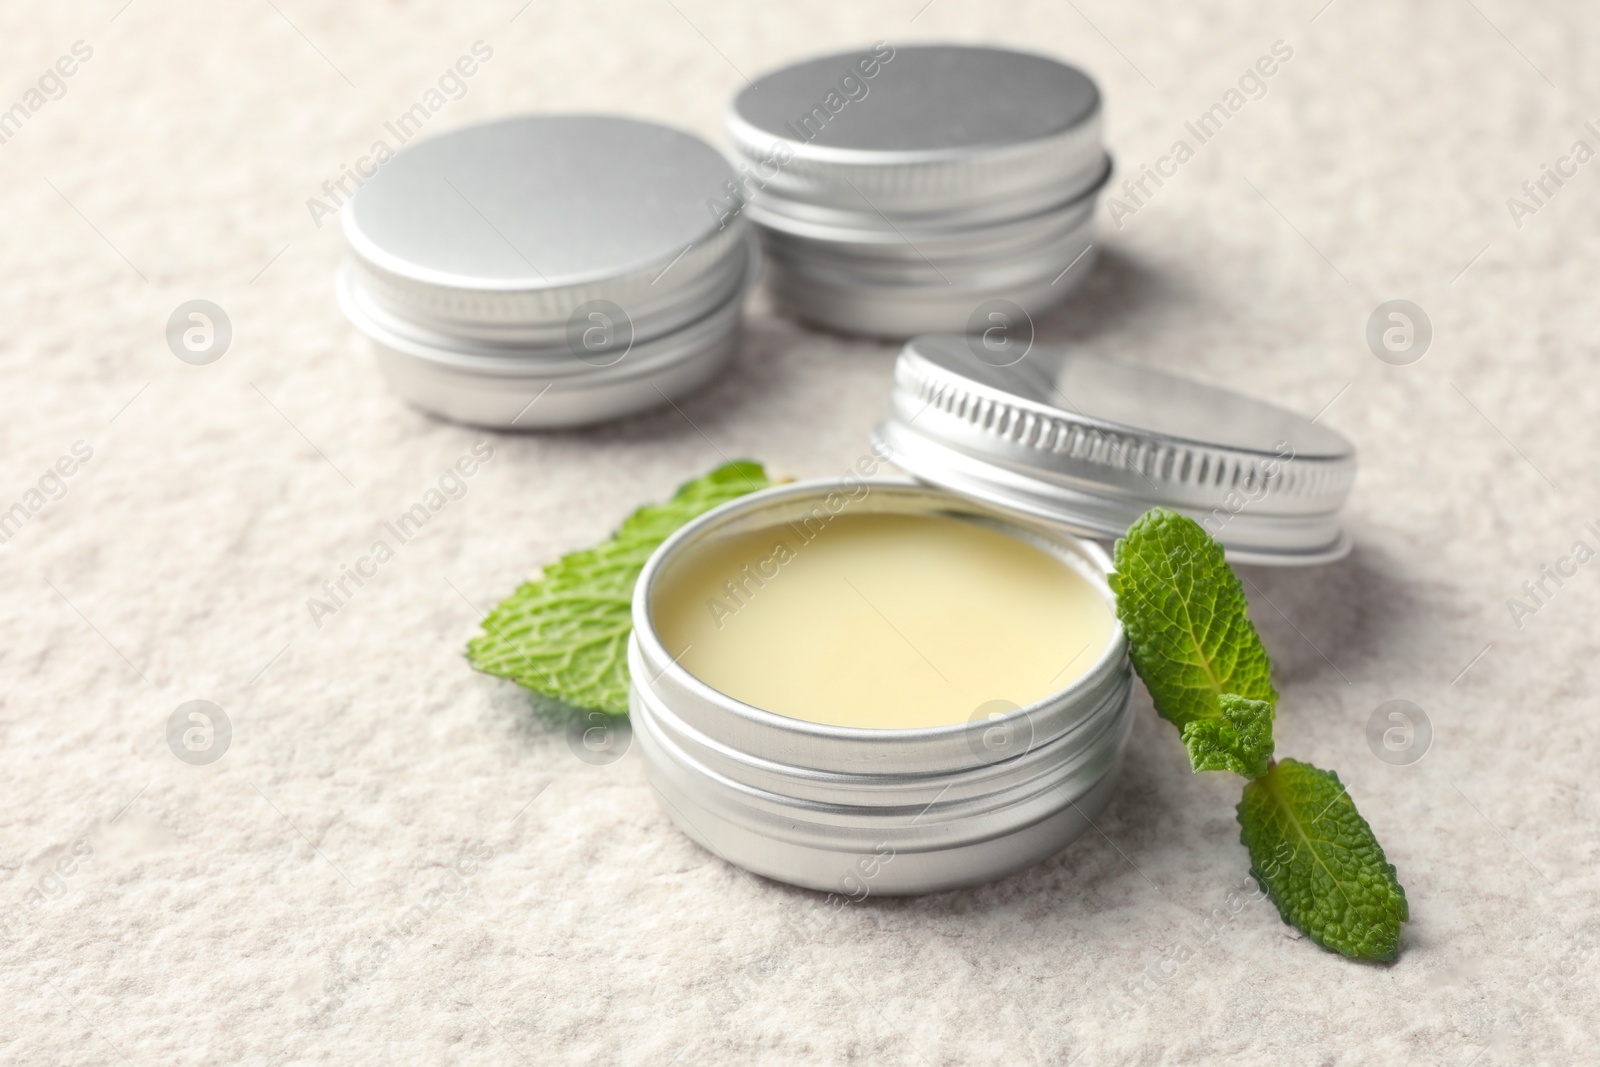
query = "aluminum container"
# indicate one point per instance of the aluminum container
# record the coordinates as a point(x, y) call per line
point(569, 261)
point(886, 812)
point(897, 190)
point(1090, 445)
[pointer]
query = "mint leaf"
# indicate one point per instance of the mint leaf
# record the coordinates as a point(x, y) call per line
point(1191, 640)
point(565, 633)
point(1189, 630)
point(1240, 741)
point(1315, 856)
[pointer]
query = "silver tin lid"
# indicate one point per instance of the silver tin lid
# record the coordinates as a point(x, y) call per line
point(1092, 444)
point(953, 131)
point(500, 232)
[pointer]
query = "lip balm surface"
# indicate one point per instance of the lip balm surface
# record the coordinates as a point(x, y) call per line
point(883, 621)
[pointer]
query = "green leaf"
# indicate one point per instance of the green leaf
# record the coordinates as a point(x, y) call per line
point(565, 633)
point(1188, 625)
point(1315, 856)
point(1240, 741)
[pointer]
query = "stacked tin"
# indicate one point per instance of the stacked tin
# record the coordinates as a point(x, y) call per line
point(921, 189)
point(547, 271)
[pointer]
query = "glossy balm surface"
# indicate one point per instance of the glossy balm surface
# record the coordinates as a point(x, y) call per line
point(880, 621)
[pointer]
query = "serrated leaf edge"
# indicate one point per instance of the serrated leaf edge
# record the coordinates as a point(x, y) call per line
point(634, 537)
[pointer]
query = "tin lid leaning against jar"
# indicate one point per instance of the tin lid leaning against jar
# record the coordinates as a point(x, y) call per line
point(572, 255)
point(897, 190)
point(1091, 444)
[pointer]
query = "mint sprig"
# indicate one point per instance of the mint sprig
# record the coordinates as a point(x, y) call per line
point(1191, 640)
point(565, 633)
point(1317, 858)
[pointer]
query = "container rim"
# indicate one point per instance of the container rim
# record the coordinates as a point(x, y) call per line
point(652, 650)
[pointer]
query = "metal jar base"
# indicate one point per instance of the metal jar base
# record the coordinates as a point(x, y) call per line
point(884, 869)
point(900, 311)
point(541, 389)
point(524, 399)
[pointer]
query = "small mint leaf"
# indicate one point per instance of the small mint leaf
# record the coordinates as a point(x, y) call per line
point(1317, 858)
point(565, 633)
point(1240, 741)
point(1188, 625)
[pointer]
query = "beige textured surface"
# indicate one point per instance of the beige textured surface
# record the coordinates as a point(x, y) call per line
point(219, 902)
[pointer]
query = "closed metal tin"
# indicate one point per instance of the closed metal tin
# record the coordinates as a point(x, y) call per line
point(898, 189)
point(1091, 444)
point(574, 249)
point(858, 811)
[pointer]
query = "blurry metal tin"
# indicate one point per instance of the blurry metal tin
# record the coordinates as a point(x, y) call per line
point(896, 189)
point(858, 811)
point(563, 241)
point(1091, 444)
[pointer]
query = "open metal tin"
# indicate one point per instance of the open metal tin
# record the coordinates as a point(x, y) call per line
point(885, 811)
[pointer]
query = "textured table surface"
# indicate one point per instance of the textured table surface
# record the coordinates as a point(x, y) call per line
point(265, 908)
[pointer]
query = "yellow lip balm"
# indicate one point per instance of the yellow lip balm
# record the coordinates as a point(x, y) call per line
point(880, 621)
